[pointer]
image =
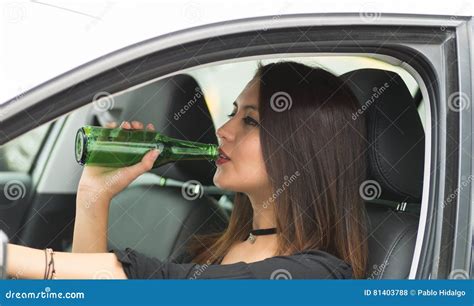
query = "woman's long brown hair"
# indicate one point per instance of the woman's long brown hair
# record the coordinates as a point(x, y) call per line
point(314, 155)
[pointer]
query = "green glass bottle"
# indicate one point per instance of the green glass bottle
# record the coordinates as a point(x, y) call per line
point(117, 147)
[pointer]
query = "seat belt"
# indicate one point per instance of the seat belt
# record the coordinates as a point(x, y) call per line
point(154, 179)
point(397, 206)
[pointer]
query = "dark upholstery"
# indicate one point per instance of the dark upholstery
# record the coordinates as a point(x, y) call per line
point(396, 159)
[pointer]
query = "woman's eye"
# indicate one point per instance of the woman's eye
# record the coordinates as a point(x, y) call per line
point(248, 120)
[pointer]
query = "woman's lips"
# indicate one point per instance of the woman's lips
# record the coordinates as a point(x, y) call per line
point(221, 161)
point(223, 158)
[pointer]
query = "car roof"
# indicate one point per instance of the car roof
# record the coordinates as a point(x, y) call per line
point(34, 48)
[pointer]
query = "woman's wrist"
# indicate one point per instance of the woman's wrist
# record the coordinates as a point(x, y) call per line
point(90, 227)
point(29, 263)
point(88, 198)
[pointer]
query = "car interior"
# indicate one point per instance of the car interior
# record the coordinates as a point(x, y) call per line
point(152, 216)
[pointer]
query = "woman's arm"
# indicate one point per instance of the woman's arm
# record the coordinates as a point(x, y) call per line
point(90, 227)
point(29, 263)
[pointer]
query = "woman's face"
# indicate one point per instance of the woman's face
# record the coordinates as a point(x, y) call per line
point(239, 139)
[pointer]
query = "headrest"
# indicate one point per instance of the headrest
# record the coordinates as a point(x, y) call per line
point(177, 108)
point(394, 130)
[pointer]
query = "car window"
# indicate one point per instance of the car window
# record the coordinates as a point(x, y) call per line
point(20, 153)
point(221, 84)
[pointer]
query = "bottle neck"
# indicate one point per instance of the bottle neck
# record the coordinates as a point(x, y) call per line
point(203, 151)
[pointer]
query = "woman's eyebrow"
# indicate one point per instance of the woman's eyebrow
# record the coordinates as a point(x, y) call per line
point(246, 106)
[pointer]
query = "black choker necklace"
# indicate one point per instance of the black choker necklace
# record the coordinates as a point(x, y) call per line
point(260, 232)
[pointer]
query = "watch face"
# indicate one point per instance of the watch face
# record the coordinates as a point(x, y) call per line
point(3, 254)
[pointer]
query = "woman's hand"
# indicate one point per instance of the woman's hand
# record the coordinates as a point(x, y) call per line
point(104, 182)
point(97, 187)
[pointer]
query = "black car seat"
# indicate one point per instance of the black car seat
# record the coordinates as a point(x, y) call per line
point(160, 221)
point(396, 162)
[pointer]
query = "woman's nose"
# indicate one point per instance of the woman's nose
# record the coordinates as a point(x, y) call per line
point(223, 133)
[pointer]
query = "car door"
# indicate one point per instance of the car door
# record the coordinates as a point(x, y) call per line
point(18, 163)
point(436, 50)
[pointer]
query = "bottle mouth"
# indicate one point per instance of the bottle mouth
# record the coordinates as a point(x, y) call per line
point(80, 147)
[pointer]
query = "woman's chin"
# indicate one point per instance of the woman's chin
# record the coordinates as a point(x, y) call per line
point(220, 183)
point(217, 182)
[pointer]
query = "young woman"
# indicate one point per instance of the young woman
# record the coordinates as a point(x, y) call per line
point(295, 158)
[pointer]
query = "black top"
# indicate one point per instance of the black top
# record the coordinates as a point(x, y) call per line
point(311, 264)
